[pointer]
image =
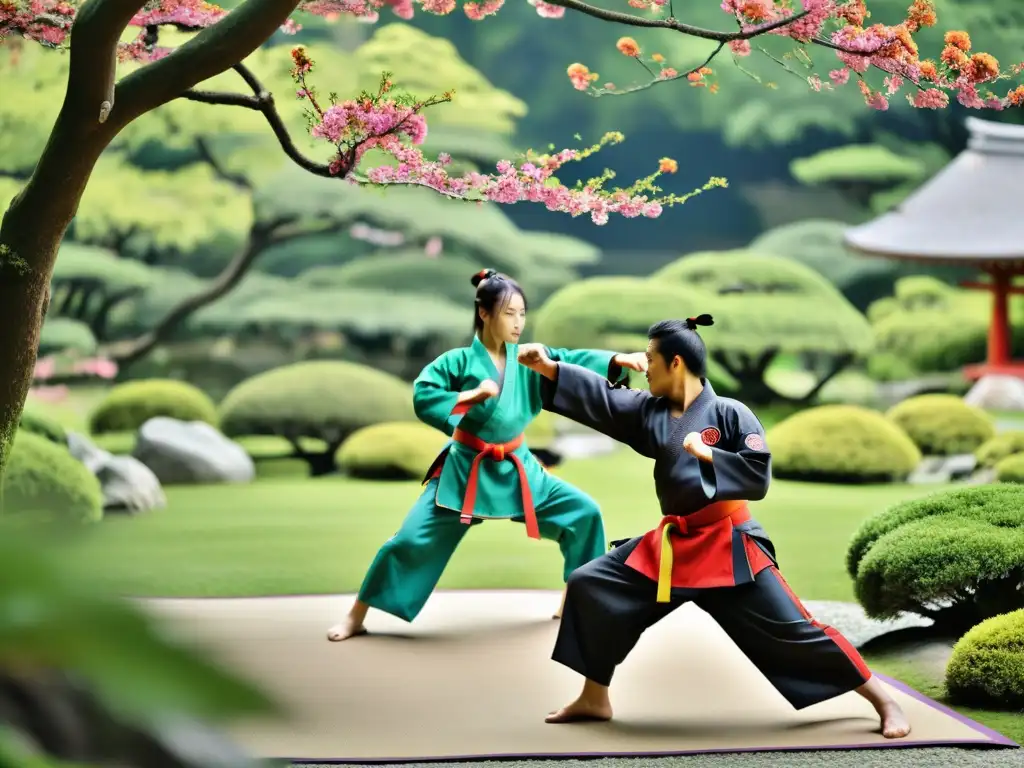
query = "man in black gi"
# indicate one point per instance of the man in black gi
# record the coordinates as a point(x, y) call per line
point(710, 460)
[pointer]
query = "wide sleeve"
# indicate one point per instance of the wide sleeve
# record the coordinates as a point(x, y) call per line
point(587, 398)
point(741, 465)
point(597, 360)
point(435, 393)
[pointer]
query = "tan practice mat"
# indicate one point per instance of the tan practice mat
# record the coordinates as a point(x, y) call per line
point(473, 677)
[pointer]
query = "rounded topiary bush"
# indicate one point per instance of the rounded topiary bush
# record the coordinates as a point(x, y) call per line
point(841, 444)
point(987, 665)
point(942, 425)
point(955, 556)
point(130, 405)
point(325, 400)
point(43, 426)
point(45, 483)
point(1011, 469)
point(391, 451)
point(1003, 445)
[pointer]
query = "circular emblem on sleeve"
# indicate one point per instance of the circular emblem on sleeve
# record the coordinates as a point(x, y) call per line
point(754, 442)
point(710, 436)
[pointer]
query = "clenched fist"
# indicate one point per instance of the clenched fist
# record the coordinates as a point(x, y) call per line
point(635, 361)
point(535, 357)
point(695, 446)
point(488, 389)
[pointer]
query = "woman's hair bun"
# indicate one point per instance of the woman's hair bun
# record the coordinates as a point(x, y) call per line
point(482, 275)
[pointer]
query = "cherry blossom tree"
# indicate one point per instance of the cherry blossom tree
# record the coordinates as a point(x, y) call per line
point(98, 105)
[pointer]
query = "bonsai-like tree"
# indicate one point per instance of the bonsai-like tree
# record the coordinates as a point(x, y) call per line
point(98, 105)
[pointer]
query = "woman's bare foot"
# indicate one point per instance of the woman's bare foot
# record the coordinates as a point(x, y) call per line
point(591, 705)
point(351, 626)
point(894, 723)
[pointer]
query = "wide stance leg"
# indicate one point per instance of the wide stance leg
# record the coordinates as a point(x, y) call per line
point(807, 662)
point(409, 564)
point(607, 607)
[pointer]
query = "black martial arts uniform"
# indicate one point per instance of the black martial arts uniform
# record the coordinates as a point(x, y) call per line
point(707, 549)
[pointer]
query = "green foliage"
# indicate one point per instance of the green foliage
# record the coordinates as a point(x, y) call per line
point(390, 451)
point(101, 267)
point(818, 244)
point(45, 483)
point(62, 335)
point(762, 301)
point(123, 655)
point(44, 426)
point(1010, 469)
point(866, 163)
point(942, 425)
point(128, 406)
point(999, 447)
point(962, 547)
point(841, 444)
point(986, 668)
point(328, 400)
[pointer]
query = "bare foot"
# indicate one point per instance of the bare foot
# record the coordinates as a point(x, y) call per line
point(894, 723)
point(350, 627)
point(558, 614)
point(579, 711)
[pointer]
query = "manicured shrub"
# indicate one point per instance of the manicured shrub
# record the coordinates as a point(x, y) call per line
point(130, 405)
point(45, 483)
point(391, 451)
point(942, 425)
point(1003, 445)
point(841, 444)
point(1011, 469)
point(44, 426)
point(987, 665)
point(63, 335)
point(956, 556)
point(324, 400)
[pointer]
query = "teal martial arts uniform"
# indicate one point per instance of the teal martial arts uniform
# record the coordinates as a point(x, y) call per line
point(506, 479)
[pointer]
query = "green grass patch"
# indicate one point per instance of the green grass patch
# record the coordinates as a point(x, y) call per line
point(293, 535)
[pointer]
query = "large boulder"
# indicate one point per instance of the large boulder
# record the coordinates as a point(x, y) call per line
point(191, 452)
point(128, 484)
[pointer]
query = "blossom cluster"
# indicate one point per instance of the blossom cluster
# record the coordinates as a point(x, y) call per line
point(47, 368)
point(840, 26)
point(391, 123)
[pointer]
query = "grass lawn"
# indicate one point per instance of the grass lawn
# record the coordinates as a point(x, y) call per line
point(301, 536)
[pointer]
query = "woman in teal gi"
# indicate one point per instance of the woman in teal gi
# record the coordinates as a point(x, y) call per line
point(486, 471)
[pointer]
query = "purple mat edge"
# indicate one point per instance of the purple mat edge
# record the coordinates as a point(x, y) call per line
point(993, 739)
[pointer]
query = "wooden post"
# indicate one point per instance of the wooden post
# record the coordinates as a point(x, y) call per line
point(999, 328)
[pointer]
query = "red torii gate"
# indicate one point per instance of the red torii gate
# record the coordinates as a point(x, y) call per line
point(969, 214)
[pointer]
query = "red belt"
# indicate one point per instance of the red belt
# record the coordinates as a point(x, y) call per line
point(737, 511)
point(496, 452)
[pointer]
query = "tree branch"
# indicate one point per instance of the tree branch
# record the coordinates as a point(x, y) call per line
point(212, 51)
point(238, 179)
point(630, 20)
point(262, 101)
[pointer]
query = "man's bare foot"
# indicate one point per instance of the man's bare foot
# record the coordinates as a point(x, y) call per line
point(558, 614)
point(581, 710)
point(894, 723)
point(346, 629)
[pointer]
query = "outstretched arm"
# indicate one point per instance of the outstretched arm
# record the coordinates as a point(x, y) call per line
point(739, 466)
point(601, 361)
point(437, 397)
point(585, 397)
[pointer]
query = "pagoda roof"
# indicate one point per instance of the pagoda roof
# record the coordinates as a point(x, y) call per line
point(971, 212)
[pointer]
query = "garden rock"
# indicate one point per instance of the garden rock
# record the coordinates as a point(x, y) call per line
point(582, 446)
point(944, 469)
point(128, 484)
point(999, 393)
point(191, 452)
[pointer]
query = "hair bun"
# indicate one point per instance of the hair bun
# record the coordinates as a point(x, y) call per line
point(693, 322)
point(482, 275)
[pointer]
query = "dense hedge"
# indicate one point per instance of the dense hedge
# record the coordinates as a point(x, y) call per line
point(130, 405)
point(955, 556)
point(61, 334)
point(390, 451)
point(841, 444)
point(45, 483)
point(987, 665)
point(1011, 469)
point(326, 400)
point(942, 425)
point(1003, 445)
point(44, 426)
